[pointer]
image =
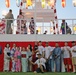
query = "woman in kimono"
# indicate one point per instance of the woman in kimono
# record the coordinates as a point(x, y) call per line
point(6, 57)
point(21, 24)
point(32, 26)
point(29, 52)
point(17, 57)
point(24, 59)
point(12, 58)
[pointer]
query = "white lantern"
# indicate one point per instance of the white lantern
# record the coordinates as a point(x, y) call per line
point(43, 4)
point(51, 3)
point(74, 3)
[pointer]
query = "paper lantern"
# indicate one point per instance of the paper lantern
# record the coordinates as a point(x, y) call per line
point(63, 3)
point(7, 2)
point(39, 29)
point(74, 28)
point(18, 2)
point(28, 3)
point(43, 3)
point(51, 3)
point(74, 3)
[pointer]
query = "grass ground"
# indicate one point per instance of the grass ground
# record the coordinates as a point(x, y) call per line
point(31, 73)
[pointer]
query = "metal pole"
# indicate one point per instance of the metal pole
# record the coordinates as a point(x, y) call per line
point(20, 26)
point(35, 21)
point(5, 26)
point(72, 27)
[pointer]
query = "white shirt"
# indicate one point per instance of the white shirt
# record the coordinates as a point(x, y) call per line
point(40, 49)
point(73, 53)
point(66, 52)
point(48, 51)
point(41, 61)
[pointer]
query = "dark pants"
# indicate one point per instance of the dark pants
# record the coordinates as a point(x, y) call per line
point(50, 65)
point(38, 70)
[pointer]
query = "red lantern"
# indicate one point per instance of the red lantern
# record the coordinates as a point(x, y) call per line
point(63, 3)
point(7, 2)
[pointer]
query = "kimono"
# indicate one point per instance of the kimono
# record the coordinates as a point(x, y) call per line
point(6, 59)
point(13, 59)
point(24, 61)
point(2, 26)
point(21, 25)
point(29, 59)
point(32, 27)
point(18, 60)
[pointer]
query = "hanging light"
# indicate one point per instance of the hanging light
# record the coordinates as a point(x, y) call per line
point(18, 2)
point(43, 3)
point(74, 28)
point(28, 3)
point(63, 3)
point(39, 29)
point(51, 3)
point(74, 3)
point(7, 2)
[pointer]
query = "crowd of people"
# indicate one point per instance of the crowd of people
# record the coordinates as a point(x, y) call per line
point(45, 59)
point(22, 25)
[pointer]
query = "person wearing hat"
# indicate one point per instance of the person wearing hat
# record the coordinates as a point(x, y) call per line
point(40, 63)
point(73, 51)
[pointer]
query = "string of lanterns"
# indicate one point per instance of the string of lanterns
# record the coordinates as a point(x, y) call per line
point(18, 2)
point(7, 3)
point(63, 3)
point(43, 3)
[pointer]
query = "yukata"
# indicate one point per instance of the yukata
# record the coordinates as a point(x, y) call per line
point(21, 24)
point(6, 59)
point(18, 60)
point(13, 59)
point(32, 28)
point(29, 59)
point(2, 26)
point(24, 61)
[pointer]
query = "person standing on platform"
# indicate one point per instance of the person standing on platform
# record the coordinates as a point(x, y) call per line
point(32, 26)
point(6, 58)
point(57, 56)
point(21, 24)
point(64, 27)
point(9, 16)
